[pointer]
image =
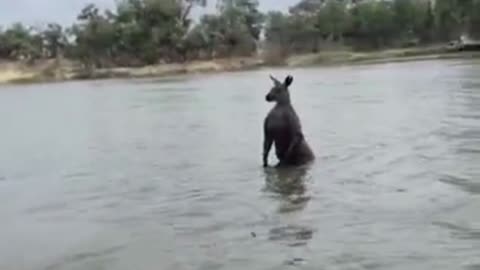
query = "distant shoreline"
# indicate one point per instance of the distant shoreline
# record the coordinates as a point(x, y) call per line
point(64, 70)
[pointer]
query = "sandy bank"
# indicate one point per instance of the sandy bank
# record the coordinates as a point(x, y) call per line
point(53, 70)
point(61, 70)
point(384, 56)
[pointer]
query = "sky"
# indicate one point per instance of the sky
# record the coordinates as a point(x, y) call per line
point(33, 12)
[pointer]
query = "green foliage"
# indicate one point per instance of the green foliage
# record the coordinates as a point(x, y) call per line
point(333, 19)
point(54, 39)
point(374, 23)
point(234, 30)
point(95, 37)
point(243, 13)
point(371, 24)
point(277, 28)
point(141, 32)
point(448, 18)
point(20, 42)
point(474, 19)
point(147, 31)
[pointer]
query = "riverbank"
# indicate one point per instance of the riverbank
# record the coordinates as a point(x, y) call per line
point(64, 70)
point(377, 57)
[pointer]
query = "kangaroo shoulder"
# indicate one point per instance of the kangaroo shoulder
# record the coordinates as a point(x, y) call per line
point(292, 118)
point(275, 119)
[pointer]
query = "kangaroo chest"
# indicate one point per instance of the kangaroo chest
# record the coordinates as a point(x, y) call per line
point(280, 124)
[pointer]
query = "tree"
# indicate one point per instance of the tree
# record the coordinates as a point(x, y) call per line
point(333, 19)
point(20, 42)
point(276, 28)
point(157, 28)
point(234, 30)
point(474, 19)
point(54, 39)
point(448, 19)
point(141, 32)
point(95, 38)
point(373, 23)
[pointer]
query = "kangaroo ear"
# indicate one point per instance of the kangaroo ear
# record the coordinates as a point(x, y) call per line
point(275, 81)
point(288, 81)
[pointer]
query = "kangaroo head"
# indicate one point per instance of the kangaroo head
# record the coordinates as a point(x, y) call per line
point(279, 92)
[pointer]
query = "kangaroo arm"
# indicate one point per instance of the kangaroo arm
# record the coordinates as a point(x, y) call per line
point(267, 145)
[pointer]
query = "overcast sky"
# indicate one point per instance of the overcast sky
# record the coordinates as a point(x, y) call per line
point(64, 11)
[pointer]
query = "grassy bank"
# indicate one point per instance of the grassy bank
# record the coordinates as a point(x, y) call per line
point(383, 56)
point(62, 70)
point(54, 70)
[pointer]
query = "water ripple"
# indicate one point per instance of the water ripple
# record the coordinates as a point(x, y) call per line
point(292, 235)
point(84, 256)
point(463, 183)
point(174, 168)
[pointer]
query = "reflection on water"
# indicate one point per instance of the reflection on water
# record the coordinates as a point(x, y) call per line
point(460, 231)
point(467, 184)
point(289, 186)
point(85, 256)
point(292, 235)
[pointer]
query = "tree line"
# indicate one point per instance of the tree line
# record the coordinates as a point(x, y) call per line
point(142, 32)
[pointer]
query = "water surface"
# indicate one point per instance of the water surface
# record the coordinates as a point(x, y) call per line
point(166, 174)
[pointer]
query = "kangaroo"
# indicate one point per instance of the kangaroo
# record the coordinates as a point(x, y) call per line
point(282, 127)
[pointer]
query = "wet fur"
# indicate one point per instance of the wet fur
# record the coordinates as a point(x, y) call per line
point(283, 129)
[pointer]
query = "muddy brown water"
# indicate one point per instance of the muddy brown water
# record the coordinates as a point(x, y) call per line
point(166, 174)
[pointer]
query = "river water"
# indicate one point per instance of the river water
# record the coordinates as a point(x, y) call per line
point(166, 174)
